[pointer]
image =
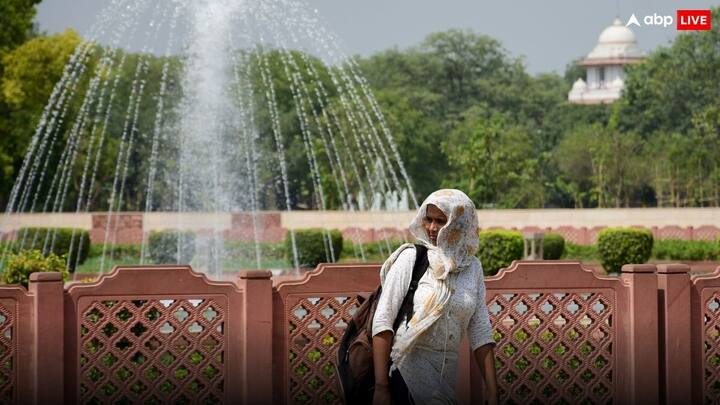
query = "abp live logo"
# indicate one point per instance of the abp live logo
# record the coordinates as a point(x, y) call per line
point(688, 20)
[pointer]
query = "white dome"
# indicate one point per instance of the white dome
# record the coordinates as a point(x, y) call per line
point(616, 33)
point(579, 85)
point(616, 43)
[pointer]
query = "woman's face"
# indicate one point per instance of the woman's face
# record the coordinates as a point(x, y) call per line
point(433, 221)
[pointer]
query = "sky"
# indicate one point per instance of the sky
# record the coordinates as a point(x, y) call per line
point(546, 34)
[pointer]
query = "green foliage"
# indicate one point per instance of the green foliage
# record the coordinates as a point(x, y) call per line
point(57, 241)
point(620, 246)
point(29, 73)
point(498, 249)
point(584, 253)
point(312, 247)
point(32, 69)
point(163, 246)
point(690, 250)
point(246, 250)
point(119, 250)
point(553, 246)
point(16, 22)
point(374, 251)
point(20, 265)
point(493, 161)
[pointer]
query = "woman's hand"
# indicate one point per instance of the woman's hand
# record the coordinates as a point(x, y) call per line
point(382, 395)
point(485, 358)
point(381, 362)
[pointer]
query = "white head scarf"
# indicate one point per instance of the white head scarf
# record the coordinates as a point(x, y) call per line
point(457, 243)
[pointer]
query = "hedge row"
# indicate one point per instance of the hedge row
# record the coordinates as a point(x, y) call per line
point(673, 249)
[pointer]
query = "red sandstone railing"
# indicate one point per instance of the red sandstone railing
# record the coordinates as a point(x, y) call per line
point(168, 334)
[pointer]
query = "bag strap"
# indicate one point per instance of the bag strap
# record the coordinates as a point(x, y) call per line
point(421, 265)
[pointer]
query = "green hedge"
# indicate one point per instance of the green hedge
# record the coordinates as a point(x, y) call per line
point(119, 250)
point(690, 250)
point(584, 253)
point(163, 247)
point(35, 239)
point(553, 246)
point(499, 248)
point(19, 266)
point(311, 247)
point(620, 246)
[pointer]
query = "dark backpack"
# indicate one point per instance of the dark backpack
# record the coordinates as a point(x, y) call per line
point(354, 362)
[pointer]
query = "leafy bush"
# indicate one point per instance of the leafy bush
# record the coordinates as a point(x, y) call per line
point(553, 246)
point(311, 246)
point(498, 249)
point(581, 252)
point(19, 266)
point(692, 250)
point(620, 246)
point(34, 238)
point(163, 246)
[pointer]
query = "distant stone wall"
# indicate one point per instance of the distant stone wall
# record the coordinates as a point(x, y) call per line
point(577, 226)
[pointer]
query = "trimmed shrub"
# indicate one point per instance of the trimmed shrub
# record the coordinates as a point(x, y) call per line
point(620, 246)
point(691, 250)
point(163, 247)
point(19, 266)
point(498, 249)
point(311, 249)
point(553, 246)
point(34, 239)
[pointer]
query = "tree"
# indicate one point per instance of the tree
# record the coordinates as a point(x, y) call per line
point(16, 23)
point(492, 160)
point(30, 73)
point(573, 157)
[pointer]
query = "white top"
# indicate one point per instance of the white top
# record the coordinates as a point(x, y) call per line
point(439, 345)
point(616, 42)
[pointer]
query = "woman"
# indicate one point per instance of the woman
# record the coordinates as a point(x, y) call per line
point(419, 364)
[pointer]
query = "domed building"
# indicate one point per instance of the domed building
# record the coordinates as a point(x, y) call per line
point(616, 48)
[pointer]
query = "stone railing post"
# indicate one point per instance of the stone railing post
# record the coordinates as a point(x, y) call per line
point(644, 344)
point(674, 293)
point(257, 335)
point(48, 327)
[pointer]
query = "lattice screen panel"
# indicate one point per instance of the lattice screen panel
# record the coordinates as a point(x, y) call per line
point(8, 352)
point(711, 349)
point(316, 325)
point(153, 351)
point(554, 347)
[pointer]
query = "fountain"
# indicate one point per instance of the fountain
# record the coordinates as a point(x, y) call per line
point(231, 106)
